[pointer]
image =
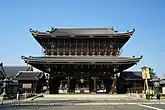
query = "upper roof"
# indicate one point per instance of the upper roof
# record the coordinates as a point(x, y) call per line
point(11, 71)
point(29, 75)
point(131, 75)
point(75, 32)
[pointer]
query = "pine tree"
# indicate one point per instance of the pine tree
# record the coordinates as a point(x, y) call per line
point(152, 73)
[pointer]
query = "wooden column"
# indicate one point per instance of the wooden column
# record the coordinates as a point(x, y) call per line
point(56, 84)
point(72, 85)
point(113, 87)
point(94, 85)
point(90, 84)
point(107, 85)
point(50, 84)
point(68, 84)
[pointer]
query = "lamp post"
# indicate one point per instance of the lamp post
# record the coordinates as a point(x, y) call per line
point(47, 83)
point(5, 85)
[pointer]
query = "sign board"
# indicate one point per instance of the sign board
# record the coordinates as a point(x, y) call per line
point(145, 73)
point(27, 86)
point(163, 90)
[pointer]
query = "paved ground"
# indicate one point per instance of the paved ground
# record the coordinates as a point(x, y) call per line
point(84, 97)
point(81, 102)
point(111, 107)
point(160, 106)
point(87, 105)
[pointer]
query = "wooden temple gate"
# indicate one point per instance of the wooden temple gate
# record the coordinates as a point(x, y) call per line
point(74, 54)
point(82, 76)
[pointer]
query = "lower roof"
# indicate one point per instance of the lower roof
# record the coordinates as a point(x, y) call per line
point(81, 59)
point(11, 71)
point(131, 75)
point(29, 75)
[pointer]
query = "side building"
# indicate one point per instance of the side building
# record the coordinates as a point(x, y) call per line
point(20, 79)
point(8, 84)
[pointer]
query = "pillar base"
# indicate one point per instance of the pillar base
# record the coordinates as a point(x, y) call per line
point(4, 97)
point(93, 93)
point(112, 93)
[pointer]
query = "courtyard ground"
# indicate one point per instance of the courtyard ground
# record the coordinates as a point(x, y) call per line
point(83, 102)
point(88, 107)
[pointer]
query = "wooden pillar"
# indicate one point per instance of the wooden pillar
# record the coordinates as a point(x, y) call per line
point(50, 84)
point(107, 85)
point(94, 85)
point(113, 87)
point(56, 84)
point(53, 86)
point(72, 85)
point(90, 84)
point(68, 84)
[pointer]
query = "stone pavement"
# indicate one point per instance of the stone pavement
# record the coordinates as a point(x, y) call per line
point(104, 100)
point(85, 97)
point(87, 107)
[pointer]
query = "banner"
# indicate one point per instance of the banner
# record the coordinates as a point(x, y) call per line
point(145, 73)
point(27, 86)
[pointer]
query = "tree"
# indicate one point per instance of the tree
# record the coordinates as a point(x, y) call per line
point(152, 74)
point(164, 76)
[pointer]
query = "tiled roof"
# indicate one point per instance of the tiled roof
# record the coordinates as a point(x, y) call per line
point(11, 71)
point(1, 75)
point(131, 75)
point(80, 32)
point(64, 59)
point(29, 75)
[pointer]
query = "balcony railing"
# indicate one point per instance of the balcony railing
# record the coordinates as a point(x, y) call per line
point(90, 52)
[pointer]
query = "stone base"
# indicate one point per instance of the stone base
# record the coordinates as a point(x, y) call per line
point(93, 93)
point(4, 97)
point(112, 93)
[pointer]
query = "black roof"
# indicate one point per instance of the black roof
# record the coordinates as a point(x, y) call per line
point(11, 71)
point(55, 32)
point(131, 75)
point(82, 33)
point(39, 62)
point(29, 75)
point(2, 76)
point(81, 59)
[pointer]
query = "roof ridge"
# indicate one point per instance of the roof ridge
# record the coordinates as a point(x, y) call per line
point(40, 74)
point(3, 70)
point(77, 28)
point(18, 74)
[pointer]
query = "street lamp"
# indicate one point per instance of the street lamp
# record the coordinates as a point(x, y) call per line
point(5, 85)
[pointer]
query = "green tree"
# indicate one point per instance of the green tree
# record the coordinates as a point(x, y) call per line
point(152, 73)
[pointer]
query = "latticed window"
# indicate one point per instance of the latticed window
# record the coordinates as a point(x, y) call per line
point(85, 51)
point(72, 51)
point(66, 51)
point(78, 51)
point(69, 51)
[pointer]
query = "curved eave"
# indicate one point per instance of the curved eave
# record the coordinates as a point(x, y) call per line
point(110, 35)
point(79, 60)
point(39, 36)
